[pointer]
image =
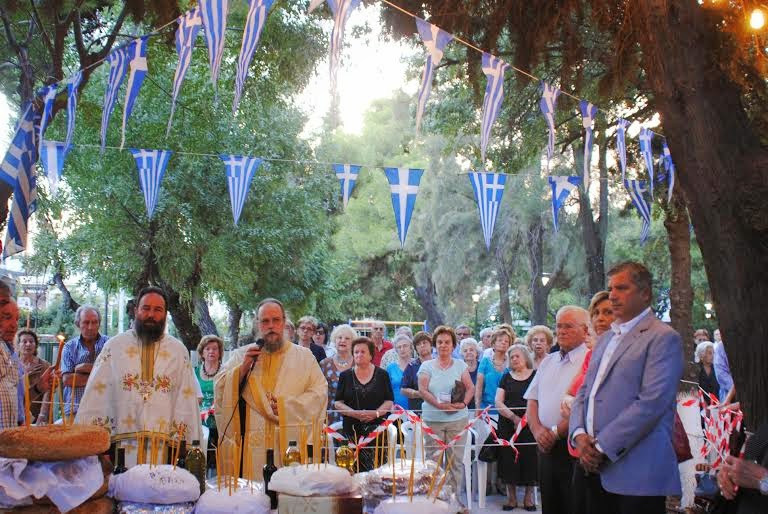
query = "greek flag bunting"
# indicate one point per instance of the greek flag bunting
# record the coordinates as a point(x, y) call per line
point(588, 113)
point(342, 9)
point(494, 69)
point(667, 169)
point(118, 67)
point(214, 15)
point(404, 186)
point(489, 189)
point(239, 170)
point(49, 96)
point(151, 165)
point(621, 147)
point(435, 39)
point(257, 16)
point(646, 136)
point(548, 104)
point(347, 175)
point(138, 65)
point(562, 187)
point(186, 34)
point(52, 155)
point(18, 171)
point(72, 85)
point(637, 192)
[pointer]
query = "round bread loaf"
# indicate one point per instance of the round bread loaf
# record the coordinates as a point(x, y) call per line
point(53, 442)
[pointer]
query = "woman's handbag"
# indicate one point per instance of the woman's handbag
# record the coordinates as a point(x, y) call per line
point(489, 452)
point(457, 393)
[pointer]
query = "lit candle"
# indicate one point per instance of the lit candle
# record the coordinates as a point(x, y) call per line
point(57, 366)
point(394, 483)
point(283, 421)
point(27, 410)
point(72, 399)
point(61, 405)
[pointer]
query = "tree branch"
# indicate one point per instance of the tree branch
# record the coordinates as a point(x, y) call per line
point(46, 38)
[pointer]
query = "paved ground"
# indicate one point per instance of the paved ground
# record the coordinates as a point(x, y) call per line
point(494, 502)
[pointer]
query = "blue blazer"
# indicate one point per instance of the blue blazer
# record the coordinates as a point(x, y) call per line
point(634, 409)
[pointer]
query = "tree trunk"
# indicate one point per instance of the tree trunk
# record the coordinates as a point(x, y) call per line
point(594, 244)
point(539, 292)
point(427, 298)
point(722, 168)
point(203, 316)
point(677, 224)
point(233, 319)
point(67, 301)
point(181, 311)
point(503, 277)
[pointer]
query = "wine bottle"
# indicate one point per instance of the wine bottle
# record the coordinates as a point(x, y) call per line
point(195, 461)
point(120, 466)
point(268, 470)
point(181, 460)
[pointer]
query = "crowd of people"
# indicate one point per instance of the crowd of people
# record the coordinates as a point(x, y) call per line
point(591, 404)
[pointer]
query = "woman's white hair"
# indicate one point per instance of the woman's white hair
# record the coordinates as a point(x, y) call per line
point(343, 329)
point(525, 351)
point(701, 348)
point(469, 341)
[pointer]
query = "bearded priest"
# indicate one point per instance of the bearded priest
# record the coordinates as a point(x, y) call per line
point(268, 392)
point(142, 387)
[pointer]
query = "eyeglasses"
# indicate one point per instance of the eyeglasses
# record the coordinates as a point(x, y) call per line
point(378, 329)
point(306, 329)
point(567, 326)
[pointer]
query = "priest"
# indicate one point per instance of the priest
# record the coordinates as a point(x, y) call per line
point(142, 386)
point(268, 392)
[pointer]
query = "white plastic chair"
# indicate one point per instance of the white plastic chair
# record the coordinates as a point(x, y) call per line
point(482, 431)
point(409, 433)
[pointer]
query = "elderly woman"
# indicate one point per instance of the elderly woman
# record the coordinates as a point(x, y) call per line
point(490, 371)
point(444, 409)
point(470, 352)
point(211, 351)
point(322, 337)
point(342, 336)
point(363, 398)
point(539, 339)
point(705, 356)
point(410, 385)
point(396, 369)
point(520, 470)
point(26, 342)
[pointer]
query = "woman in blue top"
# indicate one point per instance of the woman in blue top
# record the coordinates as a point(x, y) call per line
point(446, 416)
point(395, 370)
point(490, 371)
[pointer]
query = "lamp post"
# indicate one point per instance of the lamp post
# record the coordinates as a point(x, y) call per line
point(476, 300)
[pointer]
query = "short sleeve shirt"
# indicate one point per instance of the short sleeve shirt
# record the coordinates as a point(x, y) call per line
point(441, 382)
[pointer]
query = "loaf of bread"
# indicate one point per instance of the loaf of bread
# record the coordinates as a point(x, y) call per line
point(51, 443)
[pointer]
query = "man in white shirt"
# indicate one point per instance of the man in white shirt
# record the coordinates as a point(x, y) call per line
point(621, 419)
point(545, 394)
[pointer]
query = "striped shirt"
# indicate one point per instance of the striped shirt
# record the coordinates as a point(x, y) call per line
point(75, 353)
point(11, 388)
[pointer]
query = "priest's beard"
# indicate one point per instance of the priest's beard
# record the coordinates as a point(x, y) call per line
point(272, 342)
point(149, 331)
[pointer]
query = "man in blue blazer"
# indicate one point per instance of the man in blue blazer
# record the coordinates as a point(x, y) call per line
point(621, 420)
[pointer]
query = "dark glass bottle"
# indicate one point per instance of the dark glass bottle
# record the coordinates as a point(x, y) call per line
point(310, 451)
point(120, 466)
point(182, 458)
point(195, 461)
point(268, 470)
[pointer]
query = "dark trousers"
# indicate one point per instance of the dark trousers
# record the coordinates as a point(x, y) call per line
point(555, 472)
point(600, 501)
point(579, 484)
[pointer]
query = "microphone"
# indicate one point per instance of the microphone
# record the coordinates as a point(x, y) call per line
point(260, 344)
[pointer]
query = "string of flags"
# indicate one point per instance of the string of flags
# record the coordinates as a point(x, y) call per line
point(17, 169)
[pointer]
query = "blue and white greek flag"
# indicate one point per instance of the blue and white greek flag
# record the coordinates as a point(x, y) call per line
point(494, 69)
point(186, 34)
point(548, 104)
point(347, 175)
point(52, 155)
point(138, 66)
point(435, 39)
point(49, 96)
point(214, 14)
point(489, 189)
point(621, 147)
point(646, 136)
point(18, 171)
point(240, 171)
point(562, 187)
point(667, 169)
point(637, 192)
point(588, 113)
point(404, 186)
point(342, 9)
point(151, 165)
point(72, 85)
point(118, 67)
point(254, 24)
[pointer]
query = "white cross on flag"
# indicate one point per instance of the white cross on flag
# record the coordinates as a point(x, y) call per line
point(151, 165)
point(404, 186)
point(562, 187)
point(347, 175)
point(240, 171)
point(489, 189)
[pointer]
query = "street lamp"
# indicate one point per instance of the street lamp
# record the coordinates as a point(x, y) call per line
point(708, 306)
point(544, 279)
point(476, 300)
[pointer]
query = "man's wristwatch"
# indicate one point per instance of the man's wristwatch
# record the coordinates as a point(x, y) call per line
point(763, 485)
point(554, 431)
